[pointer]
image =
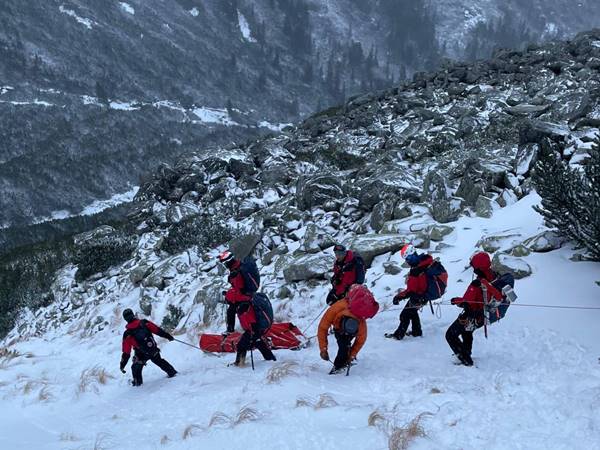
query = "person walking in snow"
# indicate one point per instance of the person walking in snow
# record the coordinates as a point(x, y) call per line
point(472, 303)
point(139, 336)
point(348, 318)
point(415, 291)
point(348, 269)
point(237, 292)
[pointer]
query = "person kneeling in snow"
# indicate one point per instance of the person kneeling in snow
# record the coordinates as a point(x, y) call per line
point(348, 318)
point(472, 303)
point(138, 335)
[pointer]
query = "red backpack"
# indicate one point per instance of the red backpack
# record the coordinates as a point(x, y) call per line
point(361, 302)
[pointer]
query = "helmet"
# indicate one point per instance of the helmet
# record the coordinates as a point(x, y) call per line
point(339, 250)
point(128, 315)
point(481, 261)
point(407, 250)
point(226, 258)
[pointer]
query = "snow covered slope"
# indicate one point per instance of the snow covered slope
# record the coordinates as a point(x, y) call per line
point(535, 384)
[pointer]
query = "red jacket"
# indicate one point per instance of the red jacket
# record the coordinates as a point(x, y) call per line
point(129, 341)
point(472, 299)
point(344, 274)
point(416, 283)
point(235, 294)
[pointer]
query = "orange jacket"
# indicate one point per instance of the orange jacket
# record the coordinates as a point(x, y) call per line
point(333, 316)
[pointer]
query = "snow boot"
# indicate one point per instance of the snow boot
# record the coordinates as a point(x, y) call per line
point(394, 335)
point(413, 334)
point(335, 370)
point(172, 374)
point(240, 359)
point(465, 360)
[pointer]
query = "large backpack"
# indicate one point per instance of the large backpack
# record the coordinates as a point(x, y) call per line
point(437, 280)
point(251, 275)
point(361, 302)
point(145, 340)
point(496, 309)
point(360, 269)
point(263, 311)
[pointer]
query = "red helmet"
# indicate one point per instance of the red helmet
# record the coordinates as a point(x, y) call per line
point(481, 261)
point(226, 258)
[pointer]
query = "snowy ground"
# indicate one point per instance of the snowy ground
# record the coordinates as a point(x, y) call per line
point(536, 384)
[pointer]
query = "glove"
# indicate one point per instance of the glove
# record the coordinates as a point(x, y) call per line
point(476, 282)
point(224, 293)
point(396, 300)
point(456, 300)
point(325, 355)
point(170, 337)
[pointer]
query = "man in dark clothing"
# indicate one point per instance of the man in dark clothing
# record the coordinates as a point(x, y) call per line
point(237, 292)
point(416, 286)
point(138, 335)
point(472, 303)
point(344, 274)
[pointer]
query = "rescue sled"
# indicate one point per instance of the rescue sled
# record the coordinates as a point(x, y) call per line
point(280, 336)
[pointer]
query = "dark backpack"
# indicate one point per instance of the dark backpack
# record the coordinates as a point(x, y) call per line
point(349, 326)
point(360, 268)
point(251, 275)
point(145, 340)
point(263, 311)
point(497, 311)
point(437, 280)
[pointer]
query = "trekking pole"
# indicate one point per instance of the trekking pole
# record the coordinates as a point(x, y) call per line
point(314, 320)
point(431, 306)
point(252, 357)
point(188, 344)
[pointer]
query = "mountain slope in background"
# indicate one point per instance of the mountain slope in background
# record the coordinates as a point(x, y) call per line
point(95, 94)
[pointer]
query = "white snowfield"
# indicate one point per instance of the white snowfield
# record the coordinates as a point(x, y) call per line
point(535, 383)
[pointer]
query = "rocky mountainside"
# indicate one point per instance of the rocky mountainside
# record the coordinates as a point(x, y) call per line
point(384, 168)
point(95, 94)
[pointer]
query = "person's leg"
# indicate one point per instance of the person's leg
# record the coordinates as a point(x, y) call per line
point(452, 337)
point(343, 354)
point(137, 365)
point(416, 320)
point(242, 348)
point(264, 350)
point(164, 365)
point(230, 319)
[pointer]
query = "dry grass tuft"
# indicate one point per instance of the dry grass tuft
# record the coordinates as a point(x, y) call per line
point(304, 401)
point(44, 395)
point(401, 437)
point(68, 437)
point(219, 418)
point(435, 390)
point(102, 441)
point(282, 370)
point(91, 377)
point(377, 419)
point(189, 431)
point(325, 401)
point(246, 414)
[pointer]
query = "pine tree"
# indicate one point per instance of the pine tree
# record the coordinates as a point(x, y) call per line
point(571, 197)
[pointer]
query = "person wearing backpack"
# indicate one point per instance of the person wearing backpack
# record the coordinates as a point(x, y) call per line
point(348, 318)
point(256, 317)
point(426, 281)
point(472, 302)
point(348, 269)
point(244, 283)
point(138, 336)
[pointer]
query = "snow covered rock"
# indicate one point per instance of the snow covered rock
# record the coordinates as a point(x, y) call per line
point(526, 158)
point(382, 212)
point(316, 239)
point(484, 206)
point(437, 232)
point(178, 212)
point(308, 267)
point(243, 245)
point(371, 245)
point(503, 263)
point(546, 241)
point(318, 190)
point(437, 193)
point(504, 242)
point(138, 273)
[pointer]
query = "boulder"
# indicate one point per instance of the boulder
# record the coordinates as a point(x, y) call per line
point(391, 268)
point(371, 245)
point(308, 267)
point(484, 207)
point(239, 168)
point(527, 110)
point(520, 251)
point(164, 271)
point(209, 296)
point(546, 241)
point(139, 272)
point(506, 198)
point(243, 245)
point(493, 243)
point(438, 232)
point(315, 239)
point(503, 263)
point(438, 195)
point(526, 158)
point(382, 212)
point(318, 190)
point(401, 211)
point(178, 212)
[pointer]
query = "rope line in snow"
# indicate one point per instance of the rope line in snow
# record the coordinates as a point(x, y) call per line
point(527, 305)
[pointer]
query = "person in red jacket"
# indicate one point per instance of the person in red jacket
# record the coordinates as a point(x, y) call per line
point(138, 336)
point(416, 286)
point(241, 304)
point(236, 292)
point(472, 317)
point(344, 274)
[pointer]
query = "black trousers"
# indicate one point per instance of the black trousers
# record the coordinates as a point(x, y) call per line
point(344, 342)
point(230, 319)
point(409, 314)
point(253, 339)
point(140, 360)
point(462, 327)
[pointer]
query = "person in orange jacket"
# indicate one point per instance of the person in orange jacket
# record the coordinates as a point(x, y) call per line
point(347, 327)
